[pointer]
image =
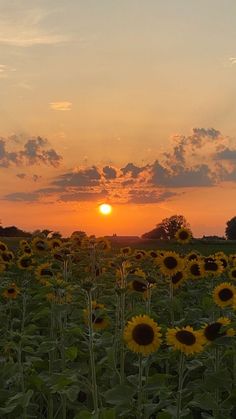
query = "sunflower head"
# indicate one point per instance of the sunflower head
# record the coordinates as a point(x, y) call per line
point(103, 244)
point(183, 235)
point(185, 339)
point(213, 266)
point(54, 243)
point(25, 262)
point(178, 278)
point(215, 330)
point(126, 251)
point(195, 269)
point(232, 273)
point(11, 292)
point(142, 335)
point(39, 245)
point(224, 294)
point(99, 317)
point(3, 247)
point(44, 272)
point(170, 263)
point(6, 256)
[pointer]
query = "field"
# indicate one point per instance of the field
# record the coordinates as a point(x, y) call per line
point(92, 329)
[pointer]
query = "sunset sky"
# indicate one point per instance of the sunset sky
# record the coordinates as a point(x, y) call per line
point(129, 102)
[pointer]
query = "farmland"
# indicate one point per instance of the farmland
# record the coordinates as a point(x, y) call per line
point(92, 329)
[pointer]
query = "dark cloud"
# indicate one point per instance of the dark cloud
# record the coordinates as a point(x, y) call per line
point(21, 175)
point(86, 177)
point(131, 169)
point(22, 197)
point(35, 151)
point(181, 177)
point(149, 197)
point(226, 154)
point(83, 196)
point(207, 132)
point(109, 172)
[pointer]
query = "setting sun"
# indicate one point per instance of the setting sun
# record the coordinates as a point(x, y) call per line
point(105, 209)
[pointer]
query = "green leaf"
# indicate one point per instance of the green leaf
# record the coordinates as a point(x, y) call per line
point(107, 414)
point(120, 394)
point(164, 415)
point(71, 353)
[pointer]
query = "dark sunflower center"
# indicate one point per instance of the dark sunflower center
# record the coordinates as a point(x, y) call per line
point(6, 257)
point(11, 290)
point(27, 249)
point(177, 277)
point(96, 320)
point(211, 266)
point(212, 331)
point(185, 337)
point(46, 272)
point(192, 256)
point(40, 245)
point(55, 244)
point(25, 263)
point(224, 262)
point(139, 286)
point(183, 235)
point(233, 273)
point(153, 254)
point(126, 250)
point(195, 270)
point(138, 256)
point(170, 262)
point(143, 334)
point(2, 247)
point(225, 294)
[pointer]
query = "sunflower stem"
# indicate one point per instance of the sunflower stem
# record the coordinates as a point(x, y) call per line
point(172, 317)
point(50, 363)
point(180, 386)
point(140, 389)
point(217, 393)
point(92, 357)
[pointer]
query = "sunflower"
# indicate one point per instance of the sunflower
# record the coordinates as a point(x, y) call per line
point(195, 269)
point(54, 243)
point(170, 263)
point(232, 273)
point(223, 258)
point(214, 330)
point(3, 247)
point(99, 317)
point(185, 339)
point(44, 272)
point(11, 292)
point(6, 257)
point(192, 255)
point(142, 335)
point(137, 272)
point(178, 278)
point(39, 245)
point(60, 293)
point(183, 235)
point(212, 266)
point(103, 244)
point(25, 262)
point(126, 251)
point(153, 254)
point(223, 294)
point(139, 254)
point(138, 285)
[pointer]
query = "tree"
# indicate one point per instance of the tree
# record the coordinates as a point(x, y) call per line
point(230, 230)
point(167, 228)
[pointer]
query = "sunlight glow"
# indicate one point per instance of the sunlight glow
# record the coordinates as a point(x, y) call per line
point(105, 209)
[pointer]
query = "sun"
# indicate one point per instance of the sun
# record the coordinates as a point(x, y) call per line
point(105, 209)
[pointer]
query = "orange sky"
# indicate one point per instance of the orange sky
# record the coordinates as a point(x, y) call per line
point(132, 103)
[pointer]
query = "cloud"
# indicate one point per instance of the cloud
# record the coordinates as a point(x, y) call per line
point(25, 27)
point(205, 158)
point(34, 151)
point(149, 197)
point(61, 106)
point(109, 172)
point(22, 197)
point(226, 154)
point(232, 60)
point(21, 175)
point(5, 71)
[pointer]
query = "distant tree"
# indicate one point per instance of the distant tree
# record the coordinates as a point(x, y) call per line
point(167, 228)
point(230, 230)
point(13, 231)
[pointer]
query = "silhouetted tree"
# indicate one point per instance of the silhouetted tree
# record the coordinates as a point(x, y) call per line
point(167, 228)
point(230, 230)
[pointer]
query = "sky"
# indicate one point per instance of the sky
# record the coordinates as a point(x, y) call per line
point(126, 102)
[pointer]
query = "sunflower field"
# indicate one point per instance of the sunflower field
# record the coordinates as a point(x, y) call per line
point(92, 332)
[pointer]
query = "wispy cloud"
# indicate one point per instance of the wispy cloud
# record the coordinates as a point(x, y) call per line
point(25, 27)
point(5, 70)
point(61, 106)
point(232, 60)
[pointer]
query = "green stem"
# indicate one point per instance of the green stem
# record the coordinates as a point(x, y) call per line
point(217, 393)
point(50, 367)
point(92, 358)
point(140, 389)
point(172, 319)
point(180, 385)
point(122, 348)
point(63, 362)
